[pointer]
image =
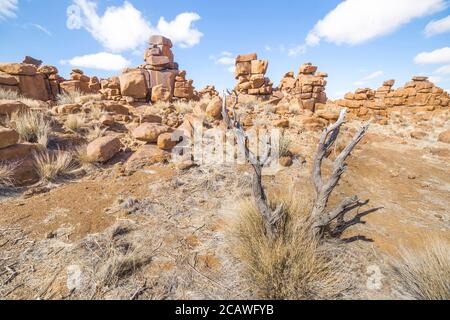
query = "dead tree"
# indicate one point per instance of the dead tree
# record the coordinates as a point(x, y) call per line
point(322, 217)
point(271, 218)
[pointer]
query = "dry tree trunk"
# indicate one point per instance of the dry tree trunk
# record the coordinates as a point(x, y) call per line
point(270, 217)
point(321, 217)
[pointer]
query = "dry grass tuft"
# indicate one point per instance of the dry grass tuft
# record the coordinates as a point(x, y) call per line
point(6, 174)
point(75, 122)
point(12, 95)
point(52, 165)
point(294, 265)
point(425, 274)
point(95, 132)
point(68, 98)
point(32, 127)
point(284, 147)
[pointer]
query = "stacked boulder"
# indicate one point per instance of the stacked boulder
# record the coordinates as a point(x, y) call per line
point(110, 88)
point(250, 73)
point(416, 96)
point(158, 79)
point(30, 80)
point(308, 87)
point(208, 92)
point(79, 82)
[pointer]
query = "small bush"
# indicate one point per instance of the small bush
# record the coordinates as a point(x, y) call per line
point(75, 122)
point(51, 166)
point(95, 132)
point(425, 274)
point(294, 265)
point(284, 147)
point(32, 127)
point(13, 95)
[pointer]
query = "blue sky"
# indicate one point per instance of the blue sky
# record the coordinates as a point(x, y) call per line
point(359, 43)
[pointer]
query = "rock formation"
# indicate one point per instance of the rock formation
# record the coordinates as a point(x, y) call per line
point(415, 96)
point(79, 82)
point(158, 78)
point(250, 73)
point(40, 83)
point(308, 87)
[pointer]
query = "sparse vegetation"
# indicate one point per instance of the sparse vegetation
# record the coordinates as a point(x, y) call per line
point(284, 147)
point(95, 132)
point(75, 122)
point(293, 264)
point(424, 274)
point(51, 165)
point(32, 126)
point(13, 95)
point(68, 98)
point(6, 174)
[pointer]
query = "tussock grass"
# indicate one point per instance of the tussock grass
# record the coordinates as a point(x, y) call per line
point(95, 132)
point(293, 265)
point(425, 274)
point(68, 98)
point(75, 122)
point(184, 107)
point(6, 174)
point(284, 147)
point(13, 95)
point(31, 126)
point(53, 165)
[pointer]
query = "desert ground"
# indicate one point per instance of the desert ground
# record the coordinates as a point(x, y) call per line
point(94, 205)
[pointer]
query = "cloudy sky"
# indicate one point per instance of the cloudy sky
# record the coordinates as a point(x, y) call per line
point(359, 43)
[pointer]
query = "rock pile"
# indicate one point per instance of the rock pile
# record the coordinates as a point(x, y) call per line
point(208, 92)
point(110, 88)
point(250, 73)
point(158, 78)
point(30, 80)
point(416, 96)
point(79, 82)
point(308, 87)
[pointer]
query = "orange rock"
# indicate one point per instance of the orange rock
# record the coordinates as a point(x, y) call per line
point(444, 136)
point(7, 107)
point(149, 132)
point(246, 57)
point(8, 137)
point(103, 149)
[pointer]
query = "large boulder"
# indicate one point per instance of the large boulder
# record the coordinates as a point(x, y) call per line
point(8, 107)
point(7, 80)
point(33, 87)
point(445, 136)
point(147, 155)
point(133, 84)
point(18, 69)
point(149, 132)
point(103, 149)
point(161, 93)
point(214, 108)
point(8, 137)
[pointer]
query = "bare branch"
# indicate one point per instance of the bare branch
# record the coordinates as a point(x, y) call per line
point(270, 218)
point(324, 189)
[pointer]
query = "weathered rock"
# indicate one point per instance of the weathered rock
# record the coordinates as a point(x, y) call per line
point(8, 80)
point(103, 149)
point(147, 155)
point(246, 57)
point(116, 108)
point(307, 68)
point(149, 132)
point(259, 66)
point(33, 87)
point(161, 93)
point(160, 41)
point(33, 61)
point(8, 137)
point(214, 108)
point(8, 107)
point(107, 120)
point(444, 136)
point(167, 141)
point(133, 84)
point(18, 69)
point(17, 152)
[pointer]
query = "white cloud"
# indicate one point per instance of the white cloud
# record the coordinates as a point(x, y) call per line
point(181, 30)
point(443, 70)
point(293, 52)
point(435, 79)
point(100, 61)
point(434, 57)
point(42, 28)
point(232, 69)
point(437, 27)
point(225, 61)
point(124, 27)
point(8, 9)
point(369, 77)
point(357, 21)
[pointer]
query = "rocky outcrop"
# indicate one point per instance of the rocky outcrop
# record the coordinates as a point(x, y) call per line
point(417, 95)
point(79, 82)
point(30, 80)
point(250, 73)
point(158, 79)
point(308, 87)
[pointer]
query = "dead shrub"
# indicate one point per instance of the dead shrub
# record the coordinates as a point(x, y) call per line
point(424, 274)
point(52, 165)
point(294, 264)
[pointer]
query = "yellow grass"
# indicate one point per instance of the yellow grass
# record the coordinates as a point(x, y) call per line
point(425, 273)
point(294, 265)
point(52, 165)
point(6, 174)
point(32, 126)
point(75, 122)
